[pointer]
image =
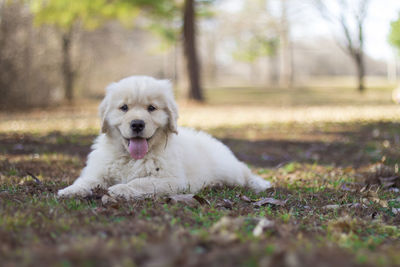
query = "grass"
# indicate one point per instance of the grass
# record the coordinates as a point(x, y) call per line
point(319, 167)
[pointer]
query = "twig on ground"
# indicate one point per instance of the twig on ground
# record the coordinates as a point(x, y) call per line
point(34, 177)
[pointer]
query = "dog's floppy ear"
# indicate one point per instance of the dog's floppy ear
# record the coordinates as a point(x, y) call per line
point(172, 108)
point(172, 111)
point(103, 110)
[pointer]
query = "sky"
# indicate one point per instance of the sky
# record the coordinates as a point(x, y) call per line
point(382, 12)
point(310, 24)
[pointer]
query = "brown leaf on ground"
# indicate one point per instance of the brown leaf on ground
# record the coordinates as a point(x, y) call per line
point(387, 182)
point(268, 200)
point(244, 198)
point(202, 200)
point(374, 197)
point(226, 203)
point(189, 199)
point(183, 198)
point(385, 176)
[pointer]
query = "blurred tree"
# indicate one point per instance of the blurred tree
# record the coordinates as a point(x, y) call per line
point(189, 45)
point(69, 17)
point(394, 35)
point(185, 24)
point(23, 83)
point(350, 17)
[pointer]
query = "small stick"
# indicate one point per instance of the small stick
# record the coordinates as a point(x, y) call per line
point(34, 177)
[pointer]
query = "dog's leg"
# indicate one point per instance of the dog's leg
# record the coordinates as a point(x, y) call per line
point(81, 187)
point(92, 176)
point(258, 184)
point(149, 186)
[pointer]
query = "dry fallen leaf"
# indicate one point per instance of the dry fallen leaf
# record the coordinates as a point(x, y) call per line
point(226, 203)
point(183, 198)
point(189, 199)
point(364, 188)
point(202, 200)
point(383, 175)
point(387, 182)
point(381, 202)
point(268, 200)
point(244, 198)
point(374, 197)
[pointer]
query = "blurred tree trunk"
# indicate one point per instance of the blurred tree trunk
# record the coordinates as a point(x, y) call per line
point(189, 43)
point(360, 66)
point(353, 36)
point(67, 68)
point(355, 45)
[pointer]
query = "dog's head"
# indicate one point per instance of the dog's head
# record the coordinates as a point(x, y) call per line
point(139, 111)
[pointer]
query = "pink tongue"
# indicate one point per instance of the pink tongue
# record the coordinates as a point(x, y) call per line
point(138, 147)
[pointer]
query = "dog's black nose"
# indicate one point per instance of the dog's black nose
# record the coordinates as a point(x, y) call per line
point(137, 125)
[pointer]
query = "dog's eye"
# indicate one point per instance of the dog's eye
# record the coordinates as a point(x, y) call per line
point(124, 108)
point(151, 108)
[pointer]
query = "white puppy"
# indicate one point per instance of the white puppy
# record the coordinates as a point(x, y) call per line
point(141, 151)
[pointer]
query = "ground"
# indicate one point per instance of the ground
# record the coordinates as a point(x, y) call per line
point(335, 200)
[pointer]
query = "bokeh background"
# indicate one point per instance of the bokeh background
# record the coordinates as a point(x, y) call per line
point(275, 52)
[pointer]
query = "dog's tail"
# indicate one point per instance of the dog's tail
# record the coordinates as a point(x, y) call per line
point(255, 182)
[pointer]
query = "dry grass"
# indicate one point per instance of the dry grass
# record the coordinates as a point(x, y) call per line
point(232, 107)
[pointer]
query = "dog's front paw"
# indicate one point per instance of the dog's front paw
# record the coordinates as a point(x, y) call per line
point(74, 190)
point(258, 184)
point(123, 191)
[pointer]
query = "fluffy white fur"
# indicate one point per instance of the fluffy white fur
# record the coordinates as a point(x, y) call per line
point(178, 159)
